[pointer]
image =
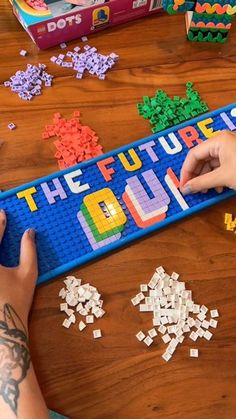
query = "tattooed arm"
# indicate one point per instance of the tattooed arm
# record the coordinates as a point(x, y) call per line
point(20, 395)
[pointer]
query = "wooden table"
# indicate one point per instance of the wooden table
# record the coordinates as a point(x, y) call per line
point(116, 377)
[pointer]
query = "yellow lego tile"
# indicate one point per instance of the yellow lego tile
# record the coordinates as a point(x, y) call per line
point(117, 216)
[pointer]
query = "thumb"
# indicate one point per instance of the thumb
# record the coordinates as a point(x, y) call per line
point(28, 256)
point(209, 180)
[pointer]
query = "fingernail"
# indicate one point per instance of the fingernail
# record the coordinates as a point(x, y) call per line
point(31, 233)
point(187, 190)
point(2, 211)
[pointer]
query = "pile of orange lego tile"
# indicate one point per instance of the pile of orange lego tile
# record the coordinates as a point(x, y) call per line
point(75, 143)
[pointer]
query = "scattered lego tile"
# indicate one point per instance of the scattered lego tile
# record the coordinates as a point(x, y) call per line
point(75, 142)
point(194, 353)
point(97, 334)
point(12, 126)
point(29, 83)
point(152, 332)
point(164, 112)
point(171, 312)
point(148, 340)
point(140, 335)
point(23, 53)
point(214, 313)
point(82, 326)
point(63, 45)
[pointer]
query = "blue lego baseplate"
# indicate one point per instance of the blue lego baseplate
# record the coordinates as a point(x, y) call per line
point(102, 204)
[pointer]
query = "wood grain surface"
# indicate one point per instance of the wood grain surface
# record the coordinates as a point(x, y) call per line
point(117, 377)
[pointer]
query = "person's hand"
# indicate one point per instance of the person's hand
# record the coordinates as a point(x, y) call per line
point(211, 164)
point(17, 284)
point(20, 395)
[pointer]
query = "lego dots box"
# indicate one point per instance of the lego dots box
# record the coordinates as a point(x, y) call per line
point(51, 22)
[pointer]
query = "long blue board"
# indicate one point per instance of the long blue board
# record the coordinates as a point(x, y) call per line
point(98, 206)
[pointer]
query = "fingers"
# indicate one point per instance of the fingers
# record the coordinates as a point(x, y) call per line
point(201, 152)
point(3, 222)
point(28, 256)
point(206, 168)
point(214, 179)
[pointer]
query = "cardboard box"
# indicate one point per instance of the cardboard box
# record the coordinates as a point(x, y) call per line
point(62, 22)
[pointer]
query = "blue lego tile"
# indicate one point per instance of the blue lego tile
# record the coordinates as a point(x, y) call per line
point(136, 202)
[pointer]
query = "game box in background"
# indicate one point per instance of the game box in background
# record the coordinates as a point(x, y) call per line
point(62, 22)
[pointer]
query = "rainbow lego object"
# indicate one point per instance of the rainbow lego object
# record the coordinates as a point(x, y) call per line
point(102, 204)
point(208, 21)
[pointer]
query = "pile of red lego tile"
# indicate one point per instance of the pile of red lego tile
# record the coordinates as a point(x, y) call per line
point(75, 143)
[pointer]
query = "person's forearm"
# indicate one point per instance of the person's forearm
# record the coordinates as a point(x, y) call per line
point(20, 395)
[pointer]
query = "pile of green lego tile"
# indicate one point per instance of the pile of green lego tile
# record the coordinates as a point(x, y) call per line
point(164, 112)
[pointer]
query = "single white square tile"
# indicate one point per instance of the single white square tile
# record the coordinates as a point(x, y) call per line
point(193, 336)
point(174, 276)
point(196, 308)
point(140, 336)
point(63, 306)
point(162, 329)
point(66, 323)
point(166, 356)
point(205, 324)
point(72, 318)
point(180, 338)
point(97, 333)
point(207, 335)
point(201, 316)
point(213, 323)
point(79, 307)
point(193, 353)
point(200, 332)
point(198, 323)
point(90, 319)
point(203, 309)
point(148, 341)
point(82, 325)
point(214, 313)
point(166, 338)
point(152, 332)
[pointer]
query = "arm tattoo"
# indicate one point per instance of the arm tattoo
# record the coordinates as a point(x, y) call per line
point(14, 356)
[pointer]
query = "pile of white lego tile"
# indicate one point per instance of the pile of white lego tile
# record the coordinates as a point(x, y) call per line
point(174, 313)
point(81, 299)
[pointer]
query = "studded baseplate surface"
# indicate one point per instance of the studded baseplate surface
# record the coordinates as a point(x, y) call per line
point(97, 206)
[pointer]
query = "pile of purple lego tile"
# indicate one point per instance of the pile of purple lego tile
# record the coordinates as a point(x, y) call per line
point(87, 59)
point(29, 83)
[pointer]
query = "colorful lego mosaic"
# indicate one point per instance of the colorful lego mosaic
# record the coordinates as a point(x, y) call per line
point(99, 205)
point(205, 21)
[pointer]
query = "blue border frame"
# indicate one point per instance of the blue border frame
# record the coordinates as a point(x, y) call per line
point(97, 253)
